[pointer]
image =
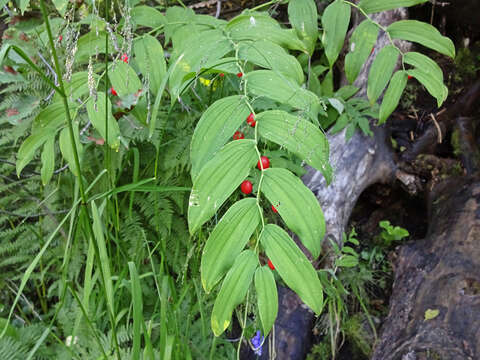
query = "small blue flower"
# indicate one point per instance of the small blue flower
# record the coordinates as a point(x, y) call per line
point(257, 342)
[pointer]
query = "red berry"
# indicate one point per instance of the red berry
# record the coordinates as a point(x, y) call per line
point(125, 58)
point(113, 92)
point(251, 120)
point(270, 265)
point(246, 187)
point(238, 135)
point(221, 75)
point(274, 209)
point(60, 38)
point(410, 77)
point(265, 163)
point(239, 74)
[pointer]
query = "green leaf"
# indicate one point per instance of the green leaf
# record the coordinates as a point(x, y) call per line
point(393, 95)
point(437, 89)
point(340, 124)
point(77, 87)
point(48, 160)
point(431, 314)
point(233, 291)
point(304, 18)
point(227, 240)
point(96, 114)
point(218, 179)
point(362, 42)
point(267, 297)
point(258, 26)
point(199, 49)
point(137, 309)
point(346, 92)
point(23, 5)
point(269, 55)
point(297, 206)
point(293, 266)
point(347, 261)
point(216, 126)
point(61, 6)
point(297, 136)
point(151, 60)
point(66, 148)
point(373, 6)
point(381, 71)
point(423, 34)
point(124, 79)
point(29, 146)
point(147, 16)
point(44, 127)
point(104, 259)
point(276, 87)
point(337, 105)
point(92, 44)
point(335, 20)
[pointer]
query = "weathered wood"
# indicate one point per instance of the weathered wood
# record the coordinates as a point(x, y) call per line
point(441, 272)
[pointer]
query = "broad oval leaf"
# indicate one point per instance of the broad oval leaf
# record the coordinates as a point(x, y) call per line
point(423, 34)
point(258, 26)
point(124, 79)
point(304, 18)
point(267, 297)
point(93, 43)
point(147, 16)
point(297, 136)
point(373, 6)
point(96, 114)
point(392, 95)
point(233, 291)
point(425, 64)
point(269, 55)
point(216, 126)
point(227, 240)
point(66, 147)
point(428, 73)
point(437, 89)
point(361, 43)
point(77, 87)
point(293, 266)
point(381, 71)
point(297, 206)
point(151, 60)
point(279, 88)
point(29, 146)
point(218, 179)
point(48, 160)
point(335, 20)
point(199, 49)
point(44, 128)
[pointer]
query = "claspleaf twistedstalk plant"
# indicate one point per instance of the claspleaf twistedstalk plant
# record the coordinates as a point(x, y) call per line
point(261, 95)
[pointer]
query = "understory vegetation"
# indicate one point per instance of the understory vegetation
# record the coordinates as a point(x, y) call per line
point(150, 174)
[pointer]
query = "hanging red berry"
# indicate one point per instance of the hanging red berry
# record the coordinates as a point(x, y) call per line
point(251, 120)
point(265, 163)
point(221, 75)
point(238, 135)
point(246, 187)
point(125, 58)
point(113, 92)
point(239, 74)
point(410, 77)
point(60, 38)
point(270, 265)
point(274, 209)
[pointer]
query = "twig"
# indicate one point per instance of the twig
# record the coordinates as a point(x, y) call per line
point(219, 8)
point(438, 128)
